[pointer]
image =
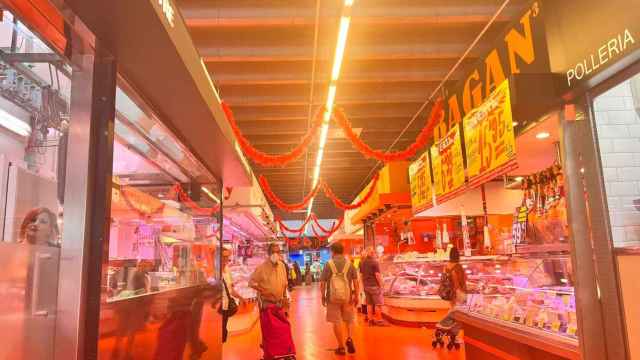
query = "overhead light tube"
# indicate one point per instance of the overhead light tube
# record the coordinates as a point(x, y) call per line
point(341, 44)
point(14, 124)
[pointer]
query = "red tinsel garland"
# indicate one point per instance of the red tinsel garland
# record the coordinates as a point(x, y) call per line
point(344, 206)
point(317, 222)
point(410, 151)
point(283, 205)
point(315, 233)
point(177, 191)
point(293, 231)
point(265, 159)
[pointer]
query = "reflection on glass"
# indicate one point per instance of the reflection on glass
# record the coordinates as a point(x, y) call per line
point(163, 242)
point(35, 92)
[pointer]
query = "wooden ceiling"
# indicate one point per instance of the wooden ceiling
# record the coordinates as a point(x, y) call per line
point(260, 55)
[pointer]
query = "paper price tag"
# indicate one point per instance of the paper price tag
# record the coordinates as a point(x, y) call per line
point(572, 330)
point(555, 326)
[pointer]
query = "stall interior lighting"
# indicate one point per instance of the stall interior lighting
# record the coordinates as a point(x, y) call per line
point(210, 194)
point(542, 135)
point(14, 124)
point(341, 44)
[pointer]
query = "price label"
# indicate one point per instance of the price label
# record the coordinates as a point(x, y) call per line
point(421, 186)
point(447, 163)
point(556, 326)
point(572, 330)
point(489, 137)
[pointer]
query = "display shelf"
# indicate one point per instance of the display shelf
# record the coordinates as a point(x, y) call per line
point(485, 335)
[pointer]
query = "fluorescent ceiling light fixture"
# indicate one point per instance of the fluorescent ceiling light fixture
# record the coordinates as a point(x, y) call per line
point(210, 194)
point(542, 135)
point(14, 124)
point(342, 43)
point(331, 98)
point(343, 31)
point(324, 131)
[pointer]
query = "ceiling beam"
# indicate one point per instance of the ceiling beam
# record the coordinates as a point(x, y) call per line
point(212, 14)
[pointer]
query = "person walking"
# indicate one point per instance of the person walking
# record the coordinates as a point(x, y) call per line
point(372, 284)
point(339, 288)
point(270, 280)
point(228, 307)
point(308, 278)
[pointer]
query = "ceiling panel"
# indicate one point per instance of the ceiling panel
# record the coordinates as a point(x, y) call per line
point(260, 55)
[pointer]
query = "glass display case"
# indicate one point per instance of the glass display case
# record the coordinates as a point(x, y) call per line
point(533, 292)
point(420, 278)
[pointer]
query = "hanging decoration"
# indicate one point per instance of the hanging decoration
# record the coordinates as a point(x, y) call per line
point(229, 190)
point(333, 229)
point(299, 230)
point(264, 183)
point(421, 141)
point(142, 203)
point(265, 159)
point(321, 239)
point(178, 192)
point(344, 206)
point(283, 205)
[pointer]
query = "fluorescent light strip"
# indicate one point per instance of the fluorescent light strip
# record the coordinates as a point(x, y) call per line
point(341, 44)
point(14, 124)
point(213, 197)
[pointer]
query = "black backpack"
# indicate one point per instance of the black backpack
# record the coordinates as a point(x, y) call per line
point(446, 290)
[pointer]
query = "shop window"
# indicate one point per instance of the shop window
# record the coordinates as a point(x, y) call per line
point(617, 118)
point(35, 93)
point(165, 207)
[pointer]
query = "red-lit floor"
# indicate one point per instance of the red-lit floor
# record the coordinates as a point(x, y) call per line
point(314, 337)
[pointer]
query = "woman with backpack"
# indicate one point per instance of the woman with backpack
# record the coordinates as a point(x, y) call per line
point(458, 278)
point(453, 288)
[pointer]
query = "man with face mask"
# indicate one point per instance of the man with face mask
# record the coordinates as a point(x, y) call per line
point(270, 278)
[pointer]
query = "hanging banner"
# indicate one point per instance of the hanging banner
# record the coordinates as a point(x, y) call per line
point(448, 167)
point(489, 138)
point(421, 186)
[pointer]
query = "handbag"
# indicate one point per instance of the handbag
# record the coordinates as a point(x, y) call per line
point(232, 307)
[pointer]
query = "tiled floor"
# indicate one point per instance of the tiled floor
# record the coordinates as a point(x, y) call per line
point(314, 337)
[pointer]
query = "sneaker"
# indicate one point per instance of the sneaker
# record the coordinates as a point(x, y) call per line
point(350, 347)
point(340, 351)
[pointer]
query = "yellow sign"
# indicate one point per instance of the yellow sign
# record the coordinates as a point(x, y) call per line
point(489, 137)
point(448, 168)
point(421, 187)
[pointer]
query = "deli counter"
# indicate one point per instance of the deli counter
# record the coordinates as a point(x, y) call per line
point(528, 298)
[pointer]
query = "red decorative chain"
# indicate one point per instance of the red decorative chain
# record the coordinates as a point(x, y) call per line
point(344, 206)
point(265, 159)
point(421, 141)
point(283, 205)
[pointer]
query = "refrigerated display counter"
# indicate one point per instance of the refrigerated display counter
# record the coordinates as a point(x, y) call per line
point(411, 285)
point(530, 313)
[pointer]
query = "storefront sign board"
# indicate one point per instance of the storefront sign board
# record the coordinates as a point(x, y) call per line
point(521, 49)
point(448, 166)
point(489, 138)
point(421, 185)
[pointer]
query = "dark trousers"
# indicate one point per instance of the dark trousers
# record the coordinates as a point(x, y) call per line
point(225, 332)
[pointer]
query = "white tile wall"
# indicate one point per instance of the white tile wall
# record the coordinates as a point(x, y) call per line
point(618, 128)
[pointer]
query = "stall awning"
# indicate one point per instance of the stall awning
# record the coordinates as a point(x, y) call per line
point(392, 189)
point(156, 55)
